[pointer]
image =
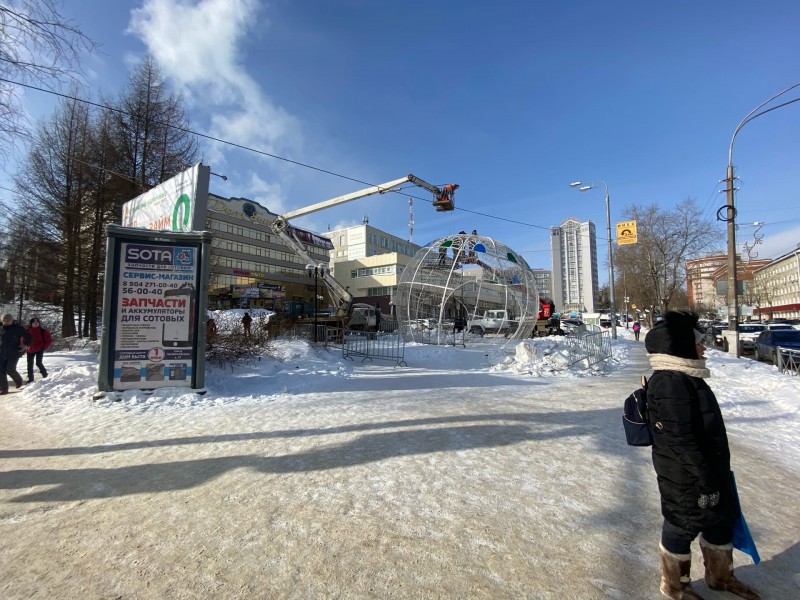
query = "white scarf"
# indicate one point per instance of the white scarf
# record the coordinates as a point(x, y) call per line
point(694, 367)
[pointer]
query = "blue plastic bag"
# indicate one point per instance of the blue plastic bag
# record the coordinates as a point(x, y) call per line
point(742, 539)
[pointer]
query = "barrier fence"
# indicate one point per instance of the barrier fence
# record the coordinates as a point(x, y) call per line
point(788, 360)
point(370, 346)
point(589, 346)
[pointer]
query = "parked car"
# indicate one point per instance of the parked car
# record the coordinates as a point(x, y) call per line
point(571, 325)
point(780, 327)
point(769, 341)
point(748, 332)
point(713, 336)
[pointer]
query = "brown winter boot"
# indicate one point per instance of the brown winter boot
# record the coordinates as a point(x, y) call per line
point(676, 581)
point(719, 571)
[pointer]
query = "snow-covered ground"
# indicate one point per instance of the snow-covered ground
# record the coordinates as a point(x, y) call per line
point(471, 473)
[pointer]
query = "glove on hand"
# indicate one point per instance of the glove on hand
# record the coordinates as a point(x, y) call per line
point(708, 500)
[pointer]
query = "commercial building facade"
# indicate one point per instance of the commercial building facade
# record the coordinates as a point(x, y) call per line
point(250, 265)
point(369, 261)
point(777, 285)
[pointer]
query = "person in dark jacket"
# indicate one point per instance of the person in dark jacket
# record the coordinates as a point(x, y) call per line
point(692, 461)
point(40, 341)
point(12, 345)
point(246, 321)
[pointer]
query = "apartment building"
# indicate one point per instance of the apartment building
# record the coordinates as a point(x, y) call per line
point(573, 247)
point(701, 283)
point(543, 279)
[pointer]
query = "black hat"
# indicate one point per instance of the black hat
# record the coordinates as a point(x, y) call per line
point(675, 335)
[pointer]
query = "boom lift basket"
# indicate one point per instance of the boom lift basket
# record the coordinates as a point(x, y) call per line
point(444, 201)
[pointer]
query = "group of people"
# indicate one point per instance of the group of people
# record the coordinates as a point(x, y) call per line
point(16, 341)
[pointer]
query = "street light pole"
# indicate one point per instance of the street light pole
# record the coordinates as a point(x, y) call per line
point(585, 188)
point(730, 217)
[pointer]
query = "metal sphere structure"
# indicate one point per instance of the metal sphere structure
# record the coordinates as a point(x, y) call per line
point(452, 282)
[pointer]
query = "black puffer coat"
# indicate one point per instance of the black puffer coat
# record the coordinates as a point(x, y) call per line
point(13, 337)
point(690, 450)
point(690, 447)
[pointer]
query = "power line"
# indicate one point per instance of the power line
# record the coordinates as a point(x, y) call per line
point(262, 152)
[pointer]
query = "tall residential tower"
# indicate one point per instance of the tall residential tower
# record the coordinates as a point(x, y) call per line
point(573, 247)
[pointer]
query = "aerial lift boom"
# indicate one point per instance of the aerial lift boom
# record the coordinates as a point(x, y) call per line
point(442, 201)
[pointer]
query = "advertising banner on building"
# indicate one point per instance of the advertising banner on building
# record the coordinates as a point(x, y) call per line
point(153, 304)
point(178, 204)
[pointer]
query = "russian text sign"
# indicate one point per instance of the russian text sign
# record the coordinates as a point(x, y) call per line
point(152, 301)
point(626, 233)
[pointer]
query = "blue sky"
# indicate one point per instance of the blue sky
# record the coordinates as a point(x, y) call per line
point(512, 100)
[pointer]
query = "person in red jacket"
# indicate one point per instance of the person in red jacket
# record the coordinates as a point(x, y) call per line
point(40, 341)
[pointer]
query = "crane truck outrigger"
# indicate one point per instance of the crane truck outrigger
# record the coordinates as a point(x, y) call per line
point(346, 312)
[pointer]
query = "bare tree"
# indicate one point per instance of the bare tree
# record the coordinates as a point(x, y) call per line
point(53, 185)
point(654, 268)
point(150, 129)
point(37, 45)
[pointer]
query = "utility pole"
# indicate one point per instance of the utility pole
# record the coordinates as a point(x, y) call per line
point(733, 301)
point(733, 297)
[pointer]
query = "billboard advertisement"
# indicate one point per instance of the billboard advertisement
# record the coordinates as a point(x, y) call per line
point(178, 204)
point(152, 308)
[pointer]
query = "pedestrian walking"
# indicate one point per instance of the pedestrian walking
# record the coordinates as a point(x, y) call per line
point(692, 461)
point(40, 341)
point(211, 331)
point(636, 329)
point(246, 321)
point(13, 344)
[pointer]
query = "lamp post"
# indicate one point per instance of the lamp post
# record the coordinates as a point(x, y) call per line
point(730, 217)
point(316, 271)
point(591, 185)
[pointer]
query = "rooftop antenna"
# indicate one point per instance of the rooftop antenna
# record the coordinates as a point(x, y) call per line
point(411, 220)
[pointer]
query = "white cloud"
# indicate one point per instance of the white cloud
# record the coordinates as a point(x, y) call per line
point(774, 245)
point(268, 195)
point(197, 45)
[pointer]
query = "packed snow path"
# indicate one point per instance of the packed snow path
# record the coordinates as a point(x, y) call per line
point(313, 477)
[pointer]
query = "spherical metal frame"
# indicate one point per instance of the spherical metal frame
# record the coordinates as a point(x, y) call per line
point(452, 281)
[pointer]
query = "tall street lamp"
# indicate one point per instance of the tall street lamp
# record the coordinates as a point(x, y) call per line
point(592, 185)
point(316, 271)
point(730, 218)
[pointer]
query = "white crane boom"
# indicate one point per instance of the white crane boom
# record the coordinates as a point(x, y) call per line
point(443, 201)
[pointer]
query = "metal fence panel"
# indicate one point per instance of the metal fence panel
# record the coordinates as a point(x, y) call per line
point(370, 345)
point(592, 347)
point(788, 360)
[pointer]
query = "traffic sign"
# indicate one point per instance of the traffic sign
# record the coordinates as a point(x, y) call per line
point(626, 233)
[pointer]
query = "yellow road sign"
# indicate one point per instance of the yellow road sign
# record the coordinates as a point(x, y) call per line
point(626, 233)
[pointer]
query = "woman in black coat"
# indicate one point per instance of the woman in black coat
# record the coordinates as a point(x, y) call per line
point(692, 461)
